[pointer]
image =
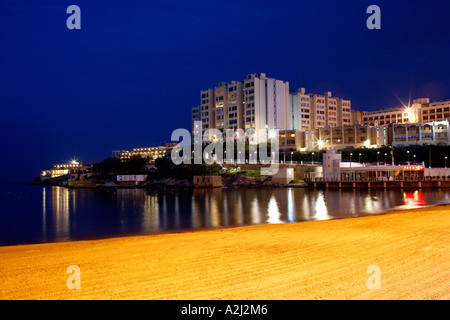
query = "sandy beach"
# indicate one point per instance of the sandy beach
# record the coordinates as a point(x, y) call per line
point(308, 260)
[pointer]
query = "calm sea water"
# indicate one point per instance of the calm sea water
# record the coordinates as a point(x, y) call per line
point(36, 214)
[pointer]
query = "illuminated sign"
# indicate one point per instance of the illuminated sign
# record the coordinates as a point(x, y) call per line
point(413, 168)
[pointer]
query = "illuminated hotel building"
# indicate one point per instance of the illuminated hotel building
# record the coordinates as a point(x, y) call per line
point(420, 111)
point(313, 111)
point(257, 102)
point(430, 133)
point(355, 136)
point(435, 111)
point(59, 170)
point(147, 152)
point(229, 106)
point(266, 104)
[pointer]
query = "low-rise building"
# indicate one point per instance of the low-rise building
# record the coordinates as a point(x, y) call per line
point(74, 170)
point(145, 152)
point(342, 137)
point(428, 133)
point(207, 181)
point(291, 140)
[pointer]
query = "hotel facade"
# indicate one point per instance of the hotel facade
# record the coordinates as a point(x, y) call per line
point(145, 152)
point(257, 102)
point(309, 121)
point(421, 110)
point(265, 104)
point(313, 111)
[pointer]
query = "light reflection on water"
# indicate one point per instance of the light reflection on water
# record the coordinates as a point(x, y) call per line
point(60, 214)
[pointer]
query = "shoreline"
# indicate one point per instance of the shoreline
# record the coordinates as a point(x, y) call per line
point(303, 260)
point(207, 229)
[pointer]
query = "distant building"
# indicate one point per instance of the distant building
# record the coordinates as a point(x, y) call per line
point(331, 165)
point(428, 133)
point(342, 137)
point(291, 140)
point(283, 176)
point(146, 152)
point(354, 136)
point(257, 102)
point(207, 181)
point(311, 111)
point(75, 170)
point(357, 116)
point(421, 110)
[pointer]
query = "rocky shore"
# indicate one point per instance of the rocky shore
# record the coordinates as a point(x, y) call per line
point(238, 181)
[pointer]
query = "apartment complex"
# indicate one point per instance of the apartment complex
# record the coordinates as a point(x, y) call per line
point(421, 110)
point(312, 111)
point(266, 103)
point(313, 121)
point(257, 103)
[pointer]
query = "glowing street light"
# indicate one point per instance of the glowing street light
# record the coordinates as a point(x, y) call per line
point(312, 158)
point(378, 161)
point(445, 161)
point(408, 156)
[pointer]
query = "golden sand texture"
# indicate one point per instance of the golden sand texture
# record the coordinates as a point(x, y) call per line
point(308, 260)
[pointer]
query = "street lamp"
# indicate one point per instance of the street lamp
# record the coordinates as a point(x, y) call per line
point(351, 173)
point(312, 158)
point(292, 161)
point(385, 158)
point(414, 156)
point(445, 162)
point(378, 161)
point(360, 158)
point(408, 156)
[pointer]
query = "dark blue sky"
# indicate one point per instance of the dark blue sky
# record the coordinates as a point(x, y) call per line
point(129, 77)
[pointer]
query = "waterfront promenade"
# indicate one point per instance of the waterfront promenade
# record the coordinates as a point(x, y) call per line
point(399, 185)
point(308, 260)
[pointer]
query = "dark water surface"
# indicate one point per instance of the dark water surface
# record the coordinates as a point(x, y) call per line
point(36, 214)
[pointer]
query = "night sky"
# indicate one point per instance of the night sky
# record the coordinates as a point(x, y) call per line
point(132, 73)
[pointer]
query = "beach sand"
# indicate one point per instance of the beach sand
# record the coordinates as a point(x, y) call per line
point(307, 260)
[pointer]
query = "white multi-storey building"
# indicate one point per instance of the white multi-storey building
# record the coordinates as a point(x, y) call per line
point(256, 103)
point(266, 104)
